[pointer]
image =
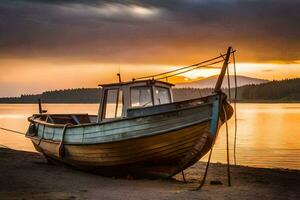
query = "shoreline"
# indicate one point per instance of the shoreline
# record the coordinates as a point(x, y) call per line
point(27, 175)
point(240, 101)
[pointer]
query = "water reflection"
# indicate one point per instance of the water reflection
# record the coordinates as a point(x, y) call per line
point(268, 136)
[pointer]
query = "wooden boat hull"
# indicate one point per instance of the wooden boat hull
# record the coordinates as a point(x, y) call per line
point(166, 144)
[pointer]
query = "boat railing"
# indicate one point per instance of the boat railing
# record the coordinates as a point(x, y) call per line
point(132, 112)
point(62, 119)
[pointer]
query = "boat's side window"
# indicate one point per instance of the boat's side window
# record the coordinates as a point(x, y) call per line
point(141, 96)
point(162, 95)
point(113, 103)
point(120, 104)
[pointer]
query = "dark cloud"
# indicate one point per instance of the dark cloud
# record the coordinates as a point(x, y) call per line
point(149, 31)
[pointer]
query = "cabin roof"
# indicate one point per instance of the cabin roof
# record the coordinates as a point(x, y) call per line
point(149, 81)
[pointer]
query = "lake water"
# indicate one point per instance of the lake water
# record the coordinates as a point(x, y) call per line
point(268, 134)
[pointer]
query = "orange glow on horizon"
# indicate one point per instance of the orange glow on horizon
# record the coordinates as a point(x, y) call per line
point(36, 76)
point(269, 71)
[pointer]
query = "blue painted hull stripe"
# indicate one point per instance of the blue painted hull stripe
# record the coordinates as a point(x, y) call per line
point(215, 117)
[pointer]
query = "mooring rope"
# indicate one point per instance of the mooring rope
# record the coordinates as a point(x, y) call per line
point(13, 131)
point(10, 130)
point(227, 131)
point(234, 102)
point(183, 176)
point(206, 170)
point(227, 148)
point(235, 113)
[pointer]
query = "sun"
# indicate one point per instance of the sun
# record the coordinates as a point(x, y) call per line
point(201, 73)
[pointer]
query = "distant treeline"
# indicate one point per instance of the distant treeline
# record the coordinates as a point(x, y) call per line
point(282, 91)
point(79, 95)
point(273, 91)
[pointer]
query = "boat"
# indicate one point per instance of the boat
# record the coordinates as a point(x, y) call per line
point(139, 130)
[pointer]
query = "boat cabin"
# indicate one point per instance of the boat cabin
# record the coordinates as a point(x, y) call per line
point(121, 99)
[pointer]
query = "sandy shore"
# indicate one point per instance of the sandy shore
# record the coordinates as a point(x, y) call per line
point(26, 175)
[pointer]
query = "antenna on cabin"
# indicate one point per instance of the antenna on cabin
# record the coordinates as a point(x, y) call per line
point(119, 75)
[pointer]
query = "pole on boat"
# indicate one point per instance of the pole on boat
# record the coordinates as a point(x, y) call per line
point(41, 111)
point(223, 70)
point(218, 89)
point(40, 106)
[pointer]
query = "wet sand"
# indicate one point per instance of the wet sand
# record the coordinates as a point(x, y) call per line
point(27, 175)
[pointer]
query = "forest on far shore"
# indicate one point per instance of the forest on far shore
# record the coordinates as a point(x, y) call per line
point(274, 91)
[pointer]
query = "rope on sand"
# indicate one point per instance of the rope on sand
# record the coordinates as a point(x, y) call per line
point(206, 170)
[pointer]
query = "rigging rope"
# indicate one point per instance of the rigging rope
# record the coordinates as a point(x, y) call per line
point(228, 82)
point(186, 67)
point(197, 67)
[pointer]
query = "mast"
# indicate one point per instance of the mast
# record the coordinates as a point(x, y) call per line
point(223, 71)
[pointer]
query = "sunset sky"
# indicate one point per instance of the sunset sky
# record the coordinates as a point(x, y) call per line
point(56, 44)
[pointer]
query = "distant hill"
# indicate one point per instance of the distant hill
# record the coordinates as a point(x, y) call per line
point(272, 91)
point(211, 81)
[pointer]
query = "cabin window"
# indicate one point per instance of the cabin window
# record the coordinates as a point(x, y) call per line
point(113, 103)
point(162, 95)
point(141, 96)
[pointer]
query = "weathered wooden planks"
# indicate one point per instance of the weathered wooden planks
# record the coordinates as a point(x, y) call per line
point(154, 144)
point(129, 151)
point(160, 150)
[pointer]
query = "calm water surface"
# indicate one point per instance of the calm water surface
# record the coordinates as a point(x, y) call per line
point(268, 134)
